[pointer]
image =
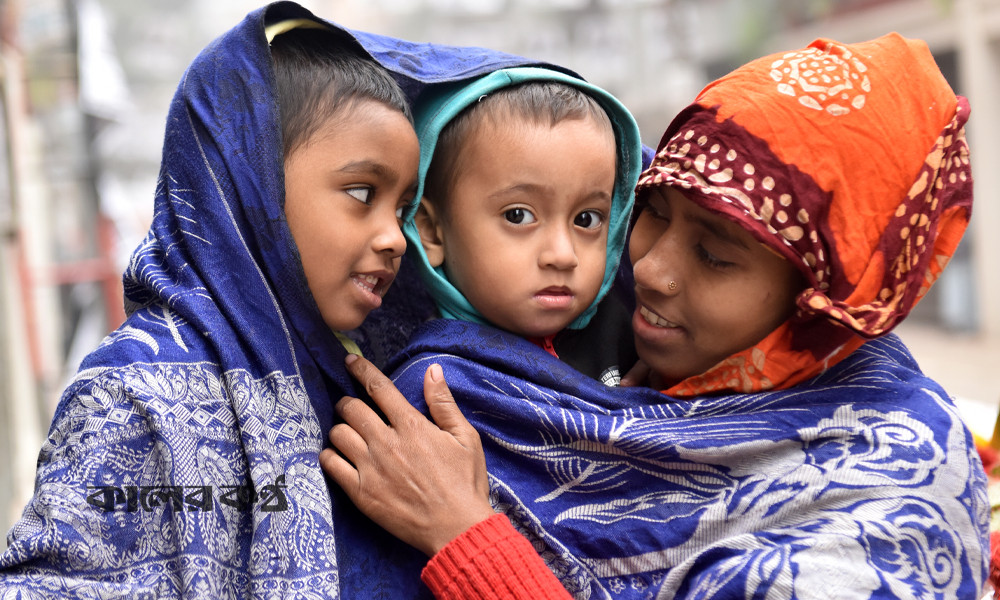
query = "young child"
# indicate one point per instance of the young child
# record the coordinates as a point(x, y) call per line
point(182, 460)
point(526, 192)
point(793, 215)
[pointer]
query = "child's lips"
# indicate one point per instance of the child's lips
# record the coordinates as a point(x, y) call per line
point(555, 297)
point(374, 285)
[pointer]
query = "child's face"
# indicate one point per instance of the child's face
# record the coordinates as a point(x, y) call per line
point(525, 225)
point(345, 188)
point(730, 290)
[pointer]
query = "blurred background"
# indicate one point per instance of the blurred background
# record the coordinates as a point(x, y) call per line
point(85, 86)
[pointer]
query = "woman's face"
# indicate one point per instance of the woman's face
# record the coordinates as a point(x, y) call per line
point(705, 288)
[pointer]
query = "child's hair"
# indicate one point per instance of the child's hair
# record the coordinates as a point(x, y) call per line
point(318, 74)
point(534, 102)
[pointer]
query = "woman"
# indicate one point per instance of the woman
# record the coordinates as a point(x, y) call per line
point(793, 215)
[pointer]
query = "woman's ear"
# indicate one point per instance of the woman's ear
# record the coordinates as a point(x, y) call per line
point(428, 223)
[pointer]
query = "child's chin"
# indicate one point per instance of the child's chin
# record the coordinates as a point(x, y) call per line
point(542, 332)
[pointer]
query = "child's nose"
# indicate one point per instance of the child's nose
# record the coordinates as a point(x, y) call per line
point(389, 238)
point(558, 250)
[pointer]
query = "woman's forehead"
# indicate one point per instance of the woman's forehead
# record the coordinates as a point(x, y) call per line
point(723, 227)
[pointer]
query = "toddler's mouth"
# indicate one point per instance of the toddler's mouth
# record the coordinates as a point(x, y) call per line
point(555, 297)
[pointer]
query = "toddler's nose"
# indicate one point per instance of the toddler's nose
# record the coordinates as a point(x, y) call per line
point(558, 252)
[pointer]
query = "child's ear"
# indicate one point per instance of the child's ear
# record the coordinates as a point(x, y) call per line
point(428, 223)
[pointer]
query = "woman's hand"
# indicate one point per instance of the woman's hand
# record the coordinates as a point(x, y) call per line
point(424, 482)
point(637, 376)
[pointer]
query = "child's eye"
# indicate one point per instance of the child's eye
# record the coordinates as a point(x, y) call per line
point(588, 219)
point(362, 194)
point(519, 216)
point(710, 259)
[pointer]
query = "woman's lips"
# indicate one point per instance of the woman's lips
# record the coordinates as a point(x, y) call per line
point(656, 320)
point(654, 329)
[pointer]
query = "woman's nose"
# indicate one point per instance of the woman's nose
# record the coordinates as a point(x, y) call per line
point(660, 268)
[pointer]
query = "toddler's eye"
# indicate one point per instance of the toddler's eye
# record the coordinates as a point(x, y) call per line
point(519, 216)
point(362, 194)
point(588, 219)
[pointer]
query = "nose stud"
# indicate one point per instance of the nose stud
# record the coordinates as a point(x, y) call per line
point(672, 286)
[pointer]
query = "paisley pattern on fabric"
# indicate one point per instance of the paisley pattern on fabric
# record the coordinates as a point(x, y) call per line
point(182, 462)
point(823, 80)
point(865, 474)
point(157, 427)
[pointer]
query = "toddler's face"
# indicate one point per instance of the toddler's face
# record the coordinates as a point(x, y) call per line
point(345, 189)
point(729, 291)
point(525, 226)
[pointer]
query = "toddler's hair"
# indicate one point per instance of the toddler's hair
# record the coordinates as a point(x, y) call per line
point(318, 74)
point(533, 102)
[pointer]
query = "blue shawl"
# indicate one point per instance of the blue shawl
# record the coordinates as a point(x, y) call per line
point(182, 460)
point(861, 483)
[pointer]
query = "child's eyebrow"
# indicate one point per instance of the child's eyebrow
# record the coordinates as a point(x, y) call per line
point(602, 195)
point(522, 188)
point(372, 167)
point(545, 190)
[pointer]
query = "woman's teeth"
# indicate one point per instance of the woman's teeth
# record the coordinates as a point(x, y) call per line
point(654, 319)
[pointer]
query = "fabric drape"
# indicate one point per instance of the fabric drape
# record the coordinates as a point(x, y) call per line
point(860, 483)
point(849, 160)
point(182, 460)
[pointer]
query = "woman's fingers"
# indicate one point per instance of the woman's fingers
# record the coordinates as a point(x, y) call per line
point(449, 418)
point(423, 482)
point(380, 388)
point(443, 408)
point(360, 417)
point(341, 471)
point(638, 375)
point(350, 443)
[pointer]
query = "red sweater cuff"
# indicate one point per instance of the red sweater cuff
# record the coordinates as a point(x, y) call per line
point(491, 561)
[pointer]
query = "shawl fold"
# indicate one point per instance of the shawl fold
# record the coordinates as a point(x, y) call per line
point(865, 474)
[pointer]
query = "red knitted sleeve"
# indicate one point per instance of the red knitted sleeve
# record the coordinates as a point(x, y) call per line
point(491, 561)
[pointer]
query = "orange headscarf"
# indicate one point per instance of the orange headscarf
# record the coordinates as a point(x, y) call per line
point(849, 160)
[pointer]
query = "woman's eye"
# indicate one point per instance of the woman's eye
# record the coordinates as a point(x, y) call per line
point(711, 260)
point(655, 212)
point(519, 216)
point(589, 219)
point(362, 194)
